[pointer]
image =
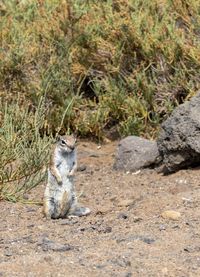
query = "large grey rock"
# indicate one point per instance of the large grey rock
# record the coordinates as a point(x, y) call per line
point(134, 153)
point(179, 139)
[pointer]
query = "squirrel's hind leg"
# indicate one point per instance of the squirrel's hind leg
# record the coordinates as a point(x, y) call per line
point(65, 205)
point(48, 208)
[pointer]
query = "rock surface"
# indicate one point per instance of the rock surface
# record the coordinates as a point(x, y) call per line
point(173, 215)
point(179, 139)
point(47, 245)
point(134, 153)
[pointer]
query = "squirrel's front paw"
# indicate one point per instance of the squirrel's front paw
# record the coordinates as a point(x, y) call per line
point(71, 174)
point(59, 180)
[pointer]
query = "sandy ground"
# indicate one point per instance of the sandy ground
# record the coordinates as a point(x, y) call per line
point(125, 235)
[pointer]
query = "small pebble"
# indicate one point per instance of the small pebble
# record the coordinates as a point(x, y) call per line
point(173, 215)
point(103, 210)
point(162, 227)
point(148, 240)
point(108, 229)
point(25, 196)
point(176, 226)
point(129, 274)
point(164, 270)
point(137, 219)
point(136, 172)
point(8, 254)
point(67, 222)
point(82, 167)
point(47, 245)
point(30, 225)
point(186, 200)
point(30, 209)
point(122, 216)
point(125, 203)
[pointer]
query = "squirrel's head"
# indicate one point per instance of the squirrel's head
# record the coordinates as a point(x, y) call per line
point(66, 143)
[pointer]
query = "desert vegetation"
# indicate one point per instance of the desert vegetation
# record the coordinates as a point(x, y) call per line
point(90, 67)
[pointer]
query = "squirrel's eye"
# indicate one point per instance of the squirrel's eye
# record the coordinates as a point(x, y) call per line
point(63, 142)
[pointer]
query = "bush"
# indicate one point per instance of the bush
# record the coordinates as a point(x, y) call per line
point(23, 152)
point(88, 66)
point(103, 64)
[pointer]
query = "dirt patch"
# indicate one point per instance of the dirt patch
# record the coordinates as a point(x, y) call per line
point(124, 236)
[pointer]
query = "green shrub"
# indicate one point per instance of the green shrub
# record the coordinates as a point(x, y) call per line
point(23, 152)
point(119, 63)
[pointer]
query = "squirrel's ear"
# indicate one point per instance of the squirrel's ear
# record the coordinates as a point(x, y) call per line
point(57, 137)
point(74, 134)
point(75, 137)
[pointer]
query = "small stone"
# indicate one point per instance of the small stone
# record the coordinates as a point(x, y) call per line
point(48, 259)
point(191, 249)
point(137, 219)
point(99, 266)
point(148, 240)
point(61, 248)
point(136, 172)
point(94, 155)
point(103, 210)
point(162, 227)
point(122, 216)
point(40, 227)
point(30, 210)
point(8, 253)
point(121, 262)
point(186, 200)
point(30, 225)
point(47, 245)
point(82, 167)
point(128, 274)
point(181, 181)
point(125, 203)
point(82, 229)
point(173, 215)
point(120, 240)
point(164, 270)
point(108, 229)
point(68, 222)
point(29, 239)
point(25, 196)
point(176, 226)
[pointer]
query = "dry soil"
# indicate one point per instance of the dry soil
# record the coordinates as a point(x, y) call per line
point(125, 235)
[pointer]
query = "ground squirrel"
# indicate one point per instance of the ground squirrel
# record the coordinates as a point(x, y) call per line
point(60, 197)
